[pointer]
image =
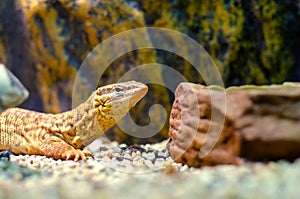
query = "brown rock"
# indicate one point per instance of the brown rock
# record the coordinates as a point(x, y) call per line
point(251, 122)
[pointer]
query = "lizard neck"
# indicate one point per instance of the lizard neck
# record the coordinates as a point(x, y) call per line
point(87, 122)
point(86, 125)
point(78, 127)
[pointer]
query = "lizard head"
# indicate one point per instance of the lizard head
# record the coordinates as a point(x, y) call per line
point(113, 101)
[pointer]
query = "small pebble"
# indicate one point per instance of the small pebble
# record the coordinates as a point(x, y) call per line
point(103, 148)
point(149, 156)
point(184, 168)
point(148, 147)
point(120, 158)
point(70, 164)
point(123, 145)
point(117, 150)
point(161, 154)
point(148, 163)
point(159, 162)
point(138, 162)
point(126, 162)
point(127, 156)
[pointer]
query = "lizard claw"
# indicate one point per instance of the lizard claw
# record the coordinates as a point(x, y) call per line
point(76, 155)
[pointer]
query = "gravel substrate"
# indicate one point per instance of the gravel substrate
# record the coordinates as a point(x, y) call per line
point(120, 171)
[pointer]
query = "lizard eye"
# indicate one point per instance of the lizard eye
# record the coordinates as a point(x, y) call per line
point(118, 89)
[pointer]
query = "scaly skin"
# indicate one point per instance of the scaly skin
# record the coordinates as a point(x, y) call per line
point(64, 135)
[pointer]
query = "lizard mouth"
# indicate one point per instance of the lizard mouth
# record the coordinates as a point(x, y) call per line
point(138, 96)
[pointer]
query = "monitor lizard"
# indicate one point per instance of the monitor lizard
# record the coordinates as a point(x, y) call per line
point(64, 135)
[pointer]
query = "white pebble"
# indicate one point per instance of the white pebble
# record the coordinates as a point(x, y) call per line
point(123, 145)
point(159, 162)
point(148, 163)
point(127, 156)
point(161, 154)
point(149, 156)
point(138, 162)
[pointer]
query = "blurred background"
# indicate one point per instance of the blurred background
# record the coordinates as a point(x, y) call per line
point(43, 42)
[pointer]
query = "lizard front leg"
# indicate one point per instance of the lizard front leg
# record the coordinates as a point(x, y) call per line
point(58, 149)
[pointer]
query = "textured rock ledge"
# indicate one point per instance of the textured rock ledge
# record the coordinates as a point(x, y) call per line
point(260, 123)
